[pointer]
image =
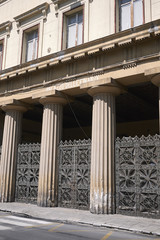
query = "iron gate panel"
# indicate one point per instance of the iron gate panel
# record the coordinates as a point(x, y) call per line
point(74, 174)
point(138, 176)
point(27, 172)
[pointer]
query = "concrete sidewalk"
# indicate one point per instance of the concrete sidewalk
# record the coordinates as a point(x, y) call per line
point(136, 224)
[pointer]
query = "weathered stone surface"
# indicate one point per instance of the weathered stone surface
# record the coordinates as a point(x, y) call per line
point(51, 136)
point(11, 138)
point(102, 155)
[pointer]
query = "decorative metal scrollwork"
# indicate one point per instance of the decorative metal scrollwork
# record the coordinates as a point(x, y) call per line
point(74, 174)
point(138, 176)
point(27, 172)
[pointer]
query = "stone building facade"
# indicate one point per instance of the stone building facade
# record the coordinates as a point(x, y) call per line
point(70, 70)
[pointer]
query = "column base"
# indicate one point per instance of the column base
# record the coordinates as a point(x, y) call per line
point(102, 204)
point(46, 203)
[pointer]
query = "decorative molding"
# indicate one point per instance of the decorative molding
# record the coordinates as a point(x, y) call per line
point(58, 1)
point(127, 65)
point(2, 1)
point(6, 26)
point(56, 9)
point(81, 51)
point(44, 13)
point(35, 11)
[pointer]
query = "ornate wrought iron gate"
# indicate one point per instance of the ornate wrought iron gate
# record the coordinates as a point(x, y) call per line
point(138, 176)
point(74, 174)
point(27, 172)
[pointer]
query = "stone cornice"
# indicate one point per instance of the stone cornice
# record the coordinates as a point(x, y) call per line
point(14, 105)
point(26, 15)
point(57, 4)
point(58, 1)
point(6, 26)
point(1, 1)
point(62, 1)
point(120, 39)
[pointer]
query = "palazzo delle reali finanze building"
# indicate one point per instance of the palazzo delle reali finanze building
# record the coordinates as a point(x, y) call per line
point(79, 100)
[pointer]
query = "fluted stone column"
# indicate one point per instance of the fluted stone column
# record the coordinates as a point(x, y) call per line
point(159, 105)
point(51, 136)
point(102, 188)
point(11, 138)
point(156, 81)
point(1, 134)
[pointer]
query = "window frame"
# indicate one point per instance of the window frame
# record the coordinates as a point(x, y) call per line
point(2, 43)
point(118, 15)
point(24, 44)
point(65, 25)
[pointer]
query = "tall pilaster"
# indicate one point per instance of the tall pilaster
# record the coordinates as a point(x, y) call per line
point(102, 189)
point(51, 136)
point(11, 138)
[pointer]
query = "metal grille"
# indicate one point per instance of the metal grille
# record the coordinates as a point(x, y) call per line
point(74, 174)
point(138, 176)
point(27, 172)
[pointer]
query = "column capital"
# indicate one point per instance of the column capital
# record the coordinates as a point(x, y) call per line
point(54, 99)
point(14, 106)
point(156, 80)
point(115, 90)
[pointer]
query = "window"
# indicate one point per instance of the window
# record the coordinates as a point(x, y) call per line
point(30, 45)
point(1, 55)
point(73, 28)
point(131, 13)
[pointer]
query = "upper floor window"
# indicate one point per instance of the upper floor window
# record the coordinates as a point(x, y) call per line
point(1, 55)
point(74, 29)
point(30, 45)
point(131, 13)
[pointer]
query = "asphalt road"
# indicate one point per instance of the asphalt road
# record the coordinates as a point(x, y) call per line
point(21, 228)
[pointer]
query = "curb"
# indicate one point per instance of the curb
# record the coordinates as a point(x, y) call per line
point(19, 214)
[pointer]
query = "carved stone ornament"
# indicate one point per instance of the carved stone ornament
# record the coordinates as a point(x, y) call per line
point(35, 11)
point(6, 26)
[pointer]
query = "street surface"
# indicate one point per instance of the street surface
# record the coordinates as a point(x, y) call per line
point(21, 228)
